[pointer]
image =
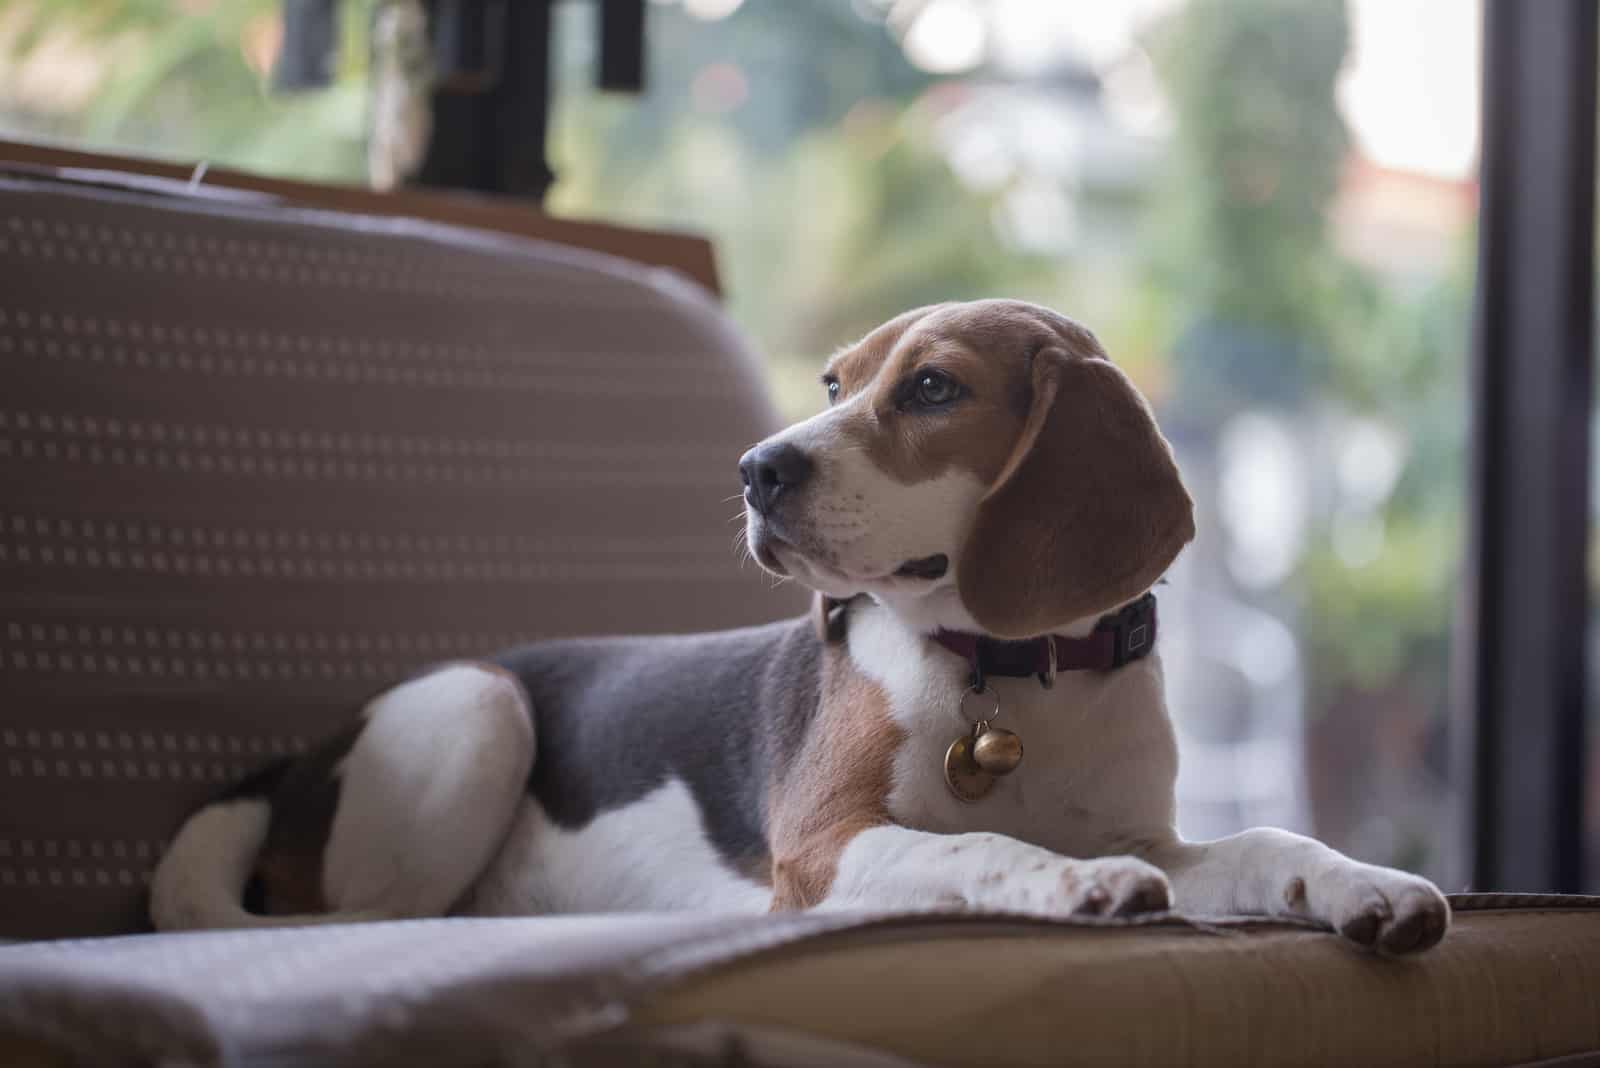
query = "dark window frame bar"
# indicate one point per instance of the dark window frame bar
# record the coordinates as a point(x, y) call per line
point(492, 93)
point(1524, 611)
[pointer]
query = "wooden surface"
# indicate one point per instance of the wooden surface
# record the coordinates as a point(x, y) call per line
point(691, 255)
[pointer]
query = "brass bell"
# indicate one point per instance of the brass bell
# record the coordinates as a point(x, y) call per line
point(997, 751)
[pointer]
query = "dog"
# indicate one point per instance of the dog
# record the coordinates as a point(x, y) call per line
point(972, 717)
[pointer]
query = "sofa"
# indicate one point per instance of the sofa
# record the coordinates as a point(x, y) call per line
point(258, 457)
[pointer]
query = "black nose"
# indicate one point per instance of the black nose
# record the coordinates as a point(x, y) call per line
point(768, 470)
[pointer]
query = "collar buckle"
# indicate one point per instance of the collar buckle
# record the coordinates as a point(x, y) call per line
point(1133, 630)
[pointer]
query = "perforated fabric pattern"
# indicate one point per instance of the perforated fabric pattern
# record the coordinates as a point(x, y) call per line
point(1506, 986)
point(255, 463)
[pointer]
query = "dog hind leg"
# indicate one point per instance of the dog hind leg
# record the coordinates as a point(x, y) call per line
point(428, 791)
point(393, 818)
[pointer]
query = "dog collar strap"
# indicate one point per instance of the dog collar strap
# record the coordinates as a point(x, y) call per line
point(1118, 639)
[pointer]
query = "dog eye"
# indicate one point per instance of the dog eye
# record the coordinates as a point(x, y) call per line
point(833, 389)
point(936, 389)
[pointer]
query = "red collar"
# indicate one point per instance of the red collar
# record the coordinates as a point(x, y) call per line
point(1118, 639)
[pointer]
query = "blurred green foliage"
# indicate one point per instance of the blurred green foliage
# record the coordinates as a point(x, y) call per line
point(190, 80)
point(1265, 313)
point(816, 242)
point(801, 139)
point(1254, 162)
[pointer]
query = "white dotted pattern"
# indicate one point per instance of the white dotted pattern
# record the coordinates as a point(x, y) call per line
point(45, 326)
point(77, 863)
point(92, 878)
point(370, 982)
point(146, 742)
point(300, 454)
point(370, 993)
point(166, 652)
point(384, 269)
point(119, 343)
point(135, 755)
point(354, 556)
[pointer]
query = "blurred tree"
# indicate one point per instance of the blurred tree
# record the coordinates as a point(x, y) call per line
point(803, 140)
point(1264, 314)
point(191, 81)
point(1240, 240)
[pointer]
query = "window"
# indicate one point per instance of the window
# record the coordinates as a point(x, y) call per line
point(1267, 212)
point(1266, 209)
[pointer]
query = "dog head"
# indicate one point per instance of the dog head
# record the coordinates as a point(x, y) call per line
point(979, 466)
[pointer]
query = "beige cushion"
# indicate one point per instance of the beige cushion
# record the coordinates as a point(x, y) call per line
point(1506, 986)
point(255, 463)
point(1516, 981)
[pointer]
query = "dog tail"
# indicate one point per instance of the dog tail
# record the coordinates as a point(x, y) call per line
point(201, 879)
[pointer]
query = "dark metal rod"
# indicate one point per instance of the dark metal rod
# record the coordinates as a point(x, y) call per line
point(622, 45)
point(1525, 602)
point(522, 102)
point(492, 99)
point(310, 39)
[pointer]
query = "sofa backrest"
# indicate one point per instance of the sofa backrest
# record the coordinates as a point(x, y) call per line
point(256, 462)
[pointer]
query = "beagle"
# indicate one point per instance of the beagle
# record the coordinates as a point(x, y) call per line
point(974, 718)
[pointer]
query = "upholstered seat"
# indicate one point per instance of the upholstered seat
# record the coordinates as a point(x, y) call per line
point(1516, 982)
point(257, 461)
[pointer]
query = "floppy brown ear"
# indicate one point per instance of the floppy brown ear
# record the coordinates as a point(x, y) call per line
point(1087, 513)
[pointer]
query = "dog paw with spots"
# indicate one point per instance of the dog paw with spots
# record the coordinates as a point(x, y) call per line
point(1391, 912)
point(1109, 886)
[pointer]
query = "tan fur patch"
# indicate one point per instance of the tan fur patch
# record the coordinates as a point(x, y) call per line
point(290, 864)
point(837, 787)
point(291, 878)
point(987, 348)
point(858, 365)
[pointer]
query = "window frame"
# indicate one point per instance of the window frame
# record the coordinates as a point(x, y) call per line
point(1521, 664)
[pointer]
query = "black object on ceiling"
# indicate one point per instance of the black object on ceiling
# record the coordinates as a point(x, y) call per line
point(491, 95)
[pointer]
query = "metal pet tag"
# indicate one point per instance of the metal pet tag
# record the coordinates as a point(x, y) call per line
point(962, 774)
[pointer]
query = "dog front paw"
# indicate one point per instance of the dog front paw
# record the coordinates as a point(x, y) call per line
point(1119, 886)
point(1109, 886)
point(985, 872)
point(1392, 912)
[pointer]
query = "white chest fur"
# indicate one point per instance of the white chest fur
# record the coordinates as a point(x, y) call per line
point(1100, 758)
